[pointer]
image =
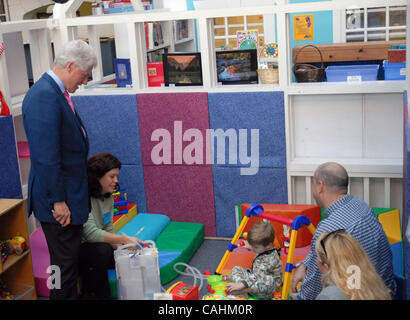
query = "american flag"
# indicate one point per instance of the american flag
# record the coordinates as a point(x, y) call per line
point(2, 45)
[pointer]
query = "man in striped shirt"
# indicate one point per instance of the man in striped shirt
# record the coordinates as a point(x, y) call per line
point(342, 211)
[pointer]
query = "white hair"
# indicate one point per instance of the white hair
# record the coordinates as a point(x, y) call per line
point(79, 52)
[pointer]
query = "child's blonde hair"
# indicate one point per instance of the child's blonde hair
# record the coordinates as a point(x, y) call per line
point(261, 234)
point(340, 251)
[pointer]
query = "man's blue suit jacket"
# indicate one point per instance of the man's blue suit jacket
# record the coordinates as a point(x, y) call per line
point(58, 151)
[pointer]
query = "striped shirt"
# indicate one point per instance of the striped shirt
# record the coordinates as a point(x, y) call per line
point(358, 219)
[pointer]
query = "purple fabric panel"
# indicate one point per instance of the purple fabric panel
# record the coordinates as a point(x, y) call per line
point(183, 193)
point(161, 111)
point(180, 190)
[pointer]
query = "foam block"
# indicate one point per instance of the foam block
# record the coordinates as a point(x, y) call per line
point(153, 225)
point(390, 222)
point(397, 251)
point(181, 237)
point(112, 126)
point(269, 185)
point(41, 261)
point(263, 111)
point(121, 220)
point(184, 193)
point(9, 170)
point(161, 111)
point(290, 211)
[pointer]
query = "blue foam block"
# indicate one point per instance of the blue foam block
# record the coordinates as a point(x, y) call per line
point(165, 257)
point(10, 186)
point(153, 225)
point(397, 251)
point(263, 111)
point(112, 126)
point(269, 185)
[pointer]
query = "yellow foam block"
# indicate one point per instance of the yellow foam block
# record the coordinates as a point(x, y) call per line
point(390, 222)
point(121, 222)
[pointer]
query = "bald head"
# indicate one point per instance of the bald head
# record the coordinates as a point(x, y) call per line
point(334, 176)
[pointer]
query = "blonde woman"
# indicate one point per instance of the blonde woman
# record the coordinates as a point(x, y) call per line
point(347, 272)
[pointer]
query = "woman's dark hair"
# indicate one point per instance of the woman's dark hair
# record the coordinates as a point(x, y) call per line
point(98, 165)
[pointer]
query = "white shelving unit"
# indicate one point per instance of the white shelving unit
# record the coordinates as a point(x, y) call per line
point(374, 107)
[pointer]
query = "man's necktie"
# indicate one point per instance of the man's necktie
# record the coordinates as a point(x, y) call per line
point(68, 98)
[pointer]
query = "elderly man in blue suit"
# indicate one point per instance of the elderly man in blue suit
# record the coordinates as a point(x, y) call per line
point(58, 188)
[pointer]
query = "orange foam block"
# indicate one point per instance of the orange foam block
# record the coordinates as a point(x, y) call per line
point(290, 211)
point(390, 222)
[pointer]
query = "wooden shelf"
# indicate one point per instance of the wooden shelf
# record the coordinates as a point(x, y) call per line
point(17, 269)
point(7, 204)
point(12, 260)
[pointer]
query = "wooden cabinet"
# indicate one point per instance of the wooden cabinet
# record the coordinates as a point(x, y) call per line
point(17, 271)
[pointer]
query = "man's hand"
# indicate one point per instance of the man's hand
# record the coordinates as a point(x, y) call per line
point(299, 276)
point(62, 214)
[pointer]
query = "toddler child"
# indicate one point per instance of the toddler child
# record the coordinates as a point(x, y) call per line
point(266, 275)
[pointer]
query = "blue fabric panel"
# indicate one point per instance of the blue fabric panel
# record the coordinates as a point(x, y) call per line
point(269, 185)
point(132, 179)
point(263, 111)
point(153, 225)
point(165, 257)
point(406, 213)
point(112, 126)
point(10, 185)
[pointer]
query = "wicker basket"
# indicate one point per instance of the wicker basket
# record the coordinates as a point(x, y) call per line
point(269, 76)
point(307, 72)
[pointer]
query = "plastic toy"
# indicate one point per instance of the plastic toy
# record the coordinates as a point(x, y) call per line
point(183, 291)
point(4, 293)
point(120, 202)
point(257, 210)
point(4, 252)
point(16, 245)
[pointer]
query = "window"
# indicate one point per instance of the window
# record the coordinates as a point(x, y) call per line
point(3, 11)
point(225, 29)
point(376, 24)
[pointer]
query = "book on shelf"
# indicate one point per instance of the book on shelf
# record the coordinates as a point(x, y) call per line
point(155, 72)
point(247, 39)
point(180, 29)
point(153, 35)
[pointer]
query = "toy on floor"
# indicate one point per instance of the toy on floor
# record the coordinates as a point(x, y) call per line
point(256, 210)
point(183, 291)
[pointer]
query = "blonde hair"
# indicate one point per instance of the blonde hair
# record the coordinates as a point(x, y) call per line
point(340, 251)
point(261, 233)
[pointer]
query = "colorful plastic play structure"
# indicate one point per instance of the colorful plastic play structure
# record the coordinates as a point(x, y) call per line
point(256, 210)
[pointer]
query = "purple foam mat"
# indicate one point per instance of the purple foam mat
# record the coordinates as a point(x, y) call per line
point(183, 193)
point(176, 113)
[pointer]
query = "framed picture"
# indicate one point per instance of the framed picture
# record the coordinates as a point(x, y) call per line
point(182, 69)
point(122, 72)
point(237, 66)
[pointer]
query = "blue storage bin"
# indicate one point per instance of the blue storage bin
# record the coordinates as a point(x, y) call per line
point(363, 72)
point(394, 70)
